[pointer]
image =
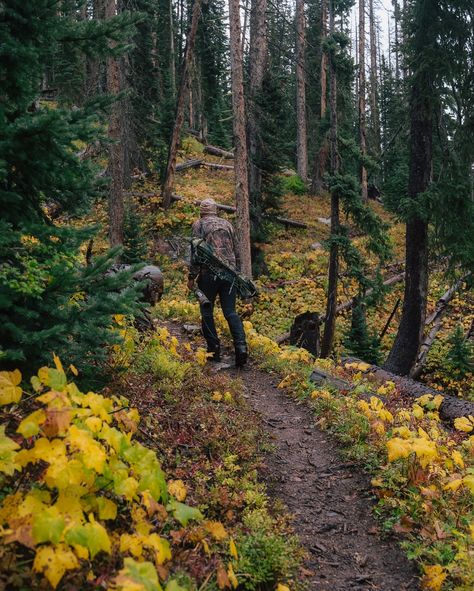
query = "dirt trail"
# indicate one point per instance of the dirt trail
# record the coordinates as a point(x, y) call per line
point(329, 499)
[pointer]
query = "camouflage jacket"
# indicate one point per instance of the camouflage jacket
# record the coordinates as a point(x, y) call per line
point(220, 234)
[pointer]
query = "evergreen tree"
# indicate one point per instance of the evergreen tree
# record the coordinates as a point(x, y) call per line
point(49, 301)
point(461, 353)
point(360, 341)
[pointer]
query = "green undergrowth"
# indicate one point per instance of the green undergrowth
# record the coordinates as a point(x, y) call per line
point(151, 484)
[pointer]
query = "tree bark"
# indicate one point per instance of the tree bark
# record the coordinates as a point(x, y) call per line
point(301, 137)
point(405, 349)
point(374, 83)
point(330, 318)
point(257, 63)
point(116, 149)
point(362, 122)
point(168, 180)
point(319, 168)
point(240, 141)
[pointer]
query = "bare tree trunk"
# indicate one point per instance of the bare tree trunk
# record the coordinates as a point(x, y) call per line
point(301, 138)
point(244, 29)
point(396, 16)
point(374, 83)
point(178, 124)
point(319, 168)
point(240, 140)
point(172, 52)
point(258, 61)
point(116, 150)
point(331, 303)
point(409, 337)
point(362, 125)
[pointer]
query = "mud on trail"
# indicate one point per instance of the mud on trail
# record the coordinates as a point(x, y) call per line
point(329, 499)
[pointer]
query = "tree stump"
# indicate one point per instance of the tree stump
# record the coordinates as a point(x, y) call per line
point(305, 332)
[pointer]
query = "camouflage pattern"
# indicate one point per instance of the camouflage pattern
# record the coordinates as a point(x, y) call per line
point(220, 234)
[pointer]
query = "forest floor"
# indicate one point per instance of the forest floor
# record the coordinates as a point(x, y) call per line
point(329, 500)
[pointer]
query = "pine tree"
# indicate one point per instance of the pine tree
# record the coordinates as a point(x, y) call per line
point(49, 301)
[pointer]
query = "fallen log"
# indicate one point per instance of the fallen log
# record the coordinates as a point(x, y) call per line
point(215, 151)
point(189, 164)
point(451, 408)
point(214, 166)
point(231, 209)
point(435, 319)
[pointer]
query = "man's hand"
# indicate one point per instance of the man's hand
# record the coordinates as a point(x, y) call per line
point(190, 283)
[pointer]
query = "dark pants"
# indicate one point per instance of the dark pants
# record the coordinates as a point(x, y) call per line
point(212, 287)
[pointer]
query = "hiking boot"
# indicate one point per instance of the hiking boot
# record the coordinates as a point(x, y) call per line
point(241, 356)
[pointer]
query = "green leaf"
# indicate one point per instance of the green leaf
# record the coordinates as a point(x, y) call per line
point(183, 513)
point(57, 379)
point(137, 573)
point(173, 585)
point(92, 536)
point(7, 453)
point(48, 526)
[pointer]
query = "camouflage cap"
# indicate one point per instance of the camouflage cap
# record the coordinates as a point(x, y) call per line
point(208, 207)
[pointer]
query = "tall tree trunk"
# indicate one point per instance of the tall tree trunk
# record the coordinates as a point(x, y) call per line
point(172, 56)
point(116, 149)
point(240, 140)
point(301, 138)
point(362, 125)
point(257, 63)
point(331, 303)
point(319, 168)
point(407, 343)
point(396, 17)
point(374, 83)
point(168, 180)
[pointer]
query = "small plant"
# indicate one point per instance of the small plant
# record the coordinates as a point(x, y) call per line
point(461, 353)
point(294, 184)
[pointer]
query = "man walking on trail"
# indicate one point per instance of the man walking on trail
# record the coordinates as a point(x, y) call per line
point(220, 235)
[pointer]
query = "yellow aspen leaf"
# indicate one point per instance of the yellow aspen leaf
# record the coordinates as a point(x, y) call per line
point(281, 587)
point(30, 425)
point(469, 482)
point(403, 431)
point(131, 543)
point(434, 577)
point(464, 424)
point(201, 356)
point(107, 509)
point(94, 424)
point(10, 390)
point(54, 562)
point(8, 455)
point(453, 485)
point(233, 549)
point(177, 488)
point(93, 454)
point(160, 546)
point(48, 526)
point(137, 576)
point(398, 448)
point(49, 451)
point(216, 529)
point(81, 552)
point(457, 458)
point(418, 411)
point(73, 369)
point(127, 488)
point(216, 396)
point(57, 363)
point(231, 575)
point(426, 451)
